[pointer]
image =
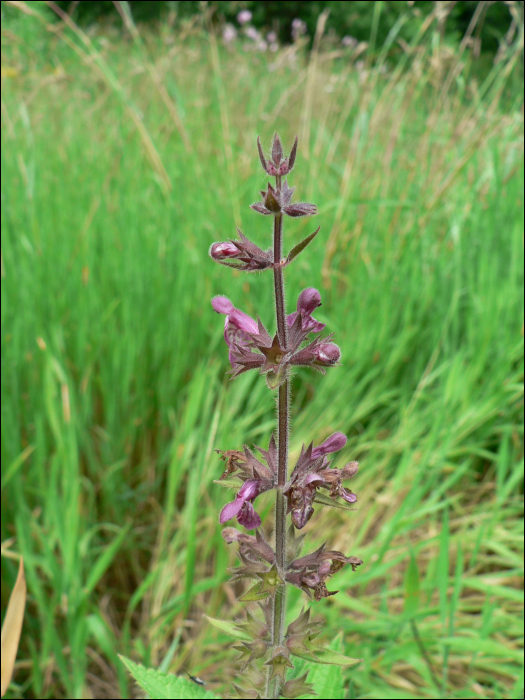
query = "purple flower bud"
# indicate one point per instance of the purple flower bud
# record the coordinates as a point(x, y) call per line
point(300, 209)
point(334, 443)
point(309, 300)
point(222, 305)
point(327, 354)
point(224, 251)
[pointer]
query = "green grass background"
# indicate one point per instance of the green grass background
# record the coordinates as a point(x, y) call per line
point(123, 159)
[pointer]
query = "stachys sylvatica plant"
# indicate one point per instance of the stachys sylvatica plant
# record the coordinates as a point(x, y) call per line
point(272, 566)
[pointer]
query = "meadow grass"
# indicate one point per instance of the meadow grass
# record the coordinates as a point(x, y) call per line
point(123, 159)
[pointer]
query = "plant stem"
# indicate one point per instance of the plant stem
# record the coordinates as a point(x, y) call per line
point(279, 600)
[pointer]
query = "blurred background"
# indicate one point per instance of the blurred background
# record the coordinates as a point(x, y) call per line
point(128, 147)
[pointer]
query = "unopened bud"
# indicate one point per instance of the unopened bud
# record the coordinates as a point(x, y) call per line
point(224, 251)
point(327, 354)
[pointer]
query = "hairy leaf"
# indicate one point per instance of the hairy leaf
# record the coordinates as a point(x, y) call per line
point(230, 628)
point(302, 245)
point(164, 686)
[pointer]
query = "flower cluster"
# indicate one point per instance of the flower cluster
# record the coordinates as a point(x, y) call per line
point(251, 346)
point(298, 341)
point(308, 573)
point(313, 471)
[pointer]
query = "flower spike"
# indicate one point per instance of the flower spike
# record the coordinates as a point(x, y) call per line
point(295, 339)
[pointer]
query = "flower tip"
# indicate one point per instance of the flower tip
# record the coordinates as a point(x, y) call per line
point(223, 251)
point(327, 354)
point(334, 443)
point(222, 305)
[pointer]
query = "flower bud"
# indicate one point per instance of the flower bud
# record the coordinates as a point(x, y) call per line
point(309, 300)
point(327, 354)
point(224, 251)
point(222, 305)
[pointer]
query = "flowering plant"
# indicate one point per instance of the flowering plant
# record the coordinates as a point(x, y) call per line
point(271, 567)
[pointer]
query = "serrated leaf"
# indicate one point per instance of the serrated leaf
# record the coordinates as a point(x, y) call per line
point(328, 680)
point(327, 656)
point(230, 628)
point(165, 686)
point(302, 245)
point(253, 593)
point(326, 501)
point(320, 655)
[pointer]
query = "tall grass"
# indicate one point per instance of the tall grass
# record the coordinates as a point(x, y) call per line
point(123, 158)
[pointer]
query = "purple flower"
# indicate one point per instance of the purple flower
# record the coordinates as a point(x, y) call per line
point(252, 33)
point(349, 41)
point(334, 443)
point(229, 33)
point(311, 571)
point(308, 301)
point(298, 28)
point(241, 254)
point(238, 326)
point(244, 16)
point(313, 471)
point(242, 508)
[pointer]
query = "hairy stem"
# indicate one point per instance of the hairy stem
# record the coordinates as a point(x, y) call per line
point(279, 601)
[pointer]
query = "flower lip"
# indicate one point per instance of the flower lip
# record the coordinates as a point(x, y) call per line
point(248, 517)
point(241, 507)
point(348, 495)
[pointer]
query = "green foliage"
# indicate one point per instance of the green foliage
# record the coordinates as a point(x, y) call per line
point(165, 686)
point(113, 361)
point(327, 679)
point(230, 628)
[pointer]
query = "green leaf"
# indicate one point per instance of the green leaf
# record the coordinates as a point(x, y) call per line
point(320, 655)
point(230, 628)
point(228, 483)
point(164, 686)
point(328, 681)
point(327, 501)
point(253, 593)
point(301, 246)
point(412, 588)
